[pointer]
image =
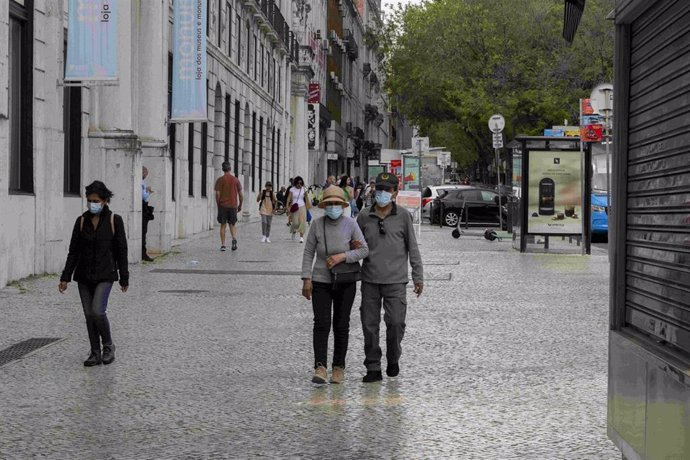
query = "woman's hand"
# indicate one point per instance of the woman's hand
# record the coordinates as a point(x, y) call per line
point(307, 289)
point(62, 287)
point(335, 259)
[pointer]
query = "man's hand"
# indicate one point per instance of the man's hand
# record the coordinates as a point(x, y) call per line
point(355, 244)
point(307, 289)
point(335, 259)
point(124, 288)
point(62, 287)
point(418, 288)
point(239, 208)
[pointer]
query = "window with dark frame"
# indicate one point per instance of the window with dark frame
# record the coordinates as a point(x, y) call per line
point(278, 156)
point(228, 107)
point(239, 40)
point(263, 66)
point(279, 84)
point(273, 157)
point(253, 151)
point(20, 100)
point(171, 128)
point(190, 159)
point(237, 138)
point(261, 151)
point(273, 83)
point(204, 159)
point(249, 45)
point(220, 24)
point(229, 15)
point(71, 127)
point(256, 59)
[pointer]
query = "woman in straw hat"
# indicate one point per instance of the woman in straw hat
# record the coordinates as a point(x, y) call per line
point(331, 282)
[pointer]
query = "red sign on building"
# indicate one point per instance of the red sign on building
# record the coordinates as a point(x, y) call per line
point(314, 93)
point(592, 133)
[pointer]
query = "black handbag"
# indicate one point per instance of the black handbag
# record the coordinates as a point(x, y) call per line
point(342, 273)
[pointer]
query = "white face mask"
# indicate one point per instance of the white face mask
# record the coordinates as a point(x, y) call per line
point(383, 197)
point(95, 208)
point(334, 211)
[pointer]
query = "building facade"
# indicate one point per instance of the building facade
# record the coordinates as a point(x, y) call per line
point(56, 138)
point(340, 72)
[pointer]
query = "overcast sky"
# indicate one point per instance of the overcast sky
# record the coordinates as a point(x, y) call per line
point(386, 4)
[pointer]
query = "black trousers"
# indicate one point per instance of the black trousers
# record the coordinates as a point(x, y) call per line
point(332, 302)
point(94, 301)
point(145, 226)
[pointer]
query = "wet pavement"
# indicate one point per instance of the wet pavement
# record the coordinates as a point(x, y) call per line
point(504, 358)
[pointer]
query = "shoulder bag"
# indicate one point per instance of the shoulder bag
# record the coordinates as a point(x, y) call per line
point(342, 273)
point(295, 205)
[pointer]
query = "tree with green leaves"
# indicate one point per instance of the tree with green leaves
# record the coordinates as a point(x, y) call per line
point(451, 64)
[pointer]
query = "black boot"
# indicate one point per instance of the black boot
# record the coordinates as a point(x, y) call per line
point(94, 359)
point(108, 354)
point(372, 376)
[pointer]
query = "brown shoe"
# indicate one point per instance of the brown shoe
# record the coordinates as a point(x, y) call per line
point(320, 375)
point(338, 374)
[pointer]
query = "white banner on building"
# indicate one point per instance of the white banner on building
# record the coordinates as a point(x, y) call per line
point(189, 91)
point(91, 40)
point(313, 126)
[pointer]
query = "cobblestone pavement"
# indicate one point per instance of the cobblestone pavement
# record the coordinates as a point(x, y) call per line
point(504, 358)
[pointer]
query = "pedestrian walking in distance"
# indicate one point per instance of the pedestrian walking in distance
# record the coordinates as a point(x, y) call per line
point(390, 235)
point(331, 282)
point(267, 203)
point(298, 205)
point(97, 253)
point(229, 199)
point(146, 213)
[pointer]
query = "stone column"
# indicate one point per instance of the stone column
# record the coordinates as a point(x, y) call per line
point(114, 154)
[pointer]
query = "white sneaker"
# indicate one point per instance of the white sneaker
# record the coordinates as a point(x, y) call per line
point(301, 240)
point(268, 240)
point(263, 238)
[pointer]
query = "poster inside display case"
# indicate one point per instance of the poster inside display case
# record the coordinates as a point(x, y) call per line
point(555, 193)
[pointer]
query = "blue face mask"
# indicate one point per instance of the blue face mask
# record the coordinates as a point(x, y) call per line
point(333, 212)
point(95, 208)
point(383, 198)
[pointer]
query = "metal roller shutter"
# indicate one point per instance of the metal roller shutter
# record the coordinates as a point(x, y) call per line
point(658, 200)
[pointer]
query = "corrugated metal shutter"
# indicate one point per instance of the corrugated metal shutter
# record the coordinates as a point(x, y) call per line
point(658, 224)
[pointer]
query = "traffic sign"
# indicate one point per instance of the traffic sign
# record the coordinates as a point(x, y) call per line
point(420, 144)
point(497, 123)
point(498, 140)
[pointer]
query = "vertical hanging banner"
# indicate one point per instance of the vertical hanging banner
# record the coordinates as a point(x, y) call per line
point(189, 61)
point(92, 40)
point(313, 126)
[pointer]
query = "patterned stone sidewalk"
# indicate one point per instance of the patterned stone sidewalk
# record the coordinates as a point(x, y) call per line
point(504, 358)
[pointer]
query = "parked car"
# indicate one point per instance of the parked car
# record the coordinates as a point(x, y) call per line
point(600, 214)
point(432, 192)
point(481, 206)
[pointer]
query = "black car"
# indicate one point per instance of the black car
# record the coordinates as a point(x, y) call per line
point(481, 206)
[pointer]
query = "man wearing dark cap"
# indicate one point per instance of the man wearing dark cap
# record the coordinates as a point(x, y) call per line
point(229, 199)
point(390, 235)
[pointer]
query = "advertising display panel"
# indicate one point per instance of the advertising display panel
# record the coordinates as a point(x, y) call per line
point(411, 173)
point(555, 193)
point(412, 201)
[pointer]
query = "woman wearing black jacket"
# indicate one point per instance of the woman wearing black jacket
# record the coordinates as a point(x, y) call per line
point(97, 251)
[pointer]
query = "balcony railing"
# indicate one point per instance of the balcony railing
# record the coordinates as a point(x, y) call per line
point(272, 12)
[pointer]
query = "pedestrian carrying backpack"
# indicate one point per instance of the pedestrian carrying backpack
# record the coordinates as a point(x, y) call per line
point(112, 223)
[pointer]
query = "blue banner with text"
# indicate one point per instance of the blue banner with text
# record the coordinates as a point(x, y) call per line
point(92, 40)
point(189, 62)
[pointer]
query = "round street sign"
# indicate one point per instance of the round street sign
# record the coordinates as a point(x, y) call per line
point(497, 123)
